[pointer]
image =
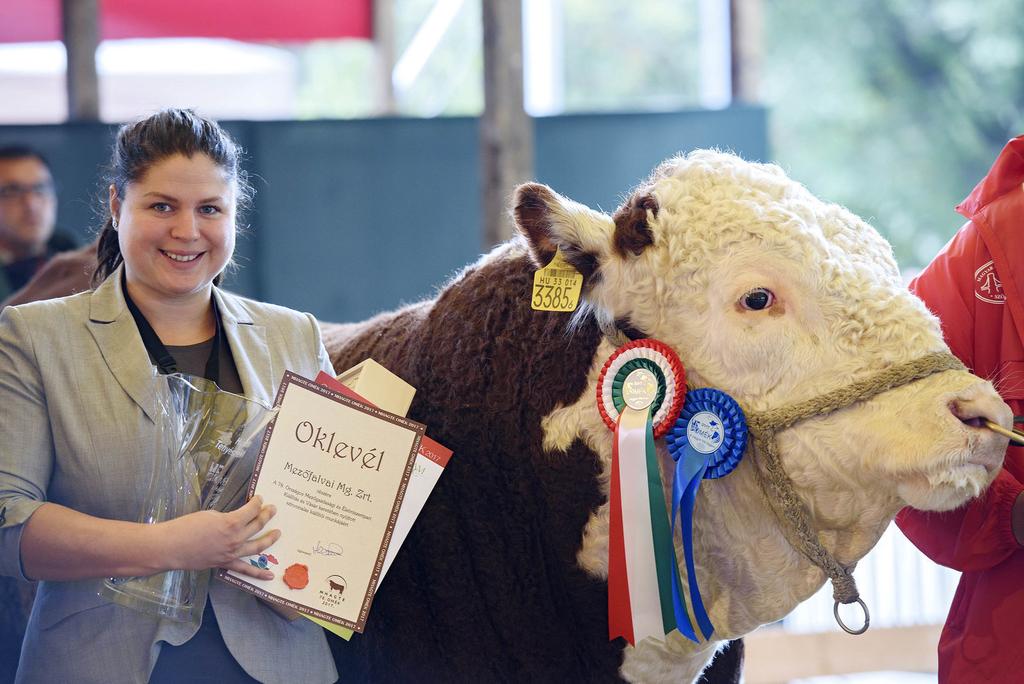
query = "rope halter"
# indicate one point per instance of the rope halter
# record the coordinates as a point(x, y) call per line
point(777, 487)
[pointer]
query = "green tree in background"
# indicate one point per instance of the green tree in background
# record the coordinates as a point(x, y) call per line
point(630, 56)
point(337, 75)
point(894, 108)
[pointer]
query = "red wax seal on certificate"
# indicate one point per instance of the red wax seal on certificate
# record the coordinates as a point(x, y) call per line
point(296, 576)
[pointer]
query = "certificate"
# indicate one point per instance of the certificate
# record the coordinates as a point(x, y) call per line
point(431, 460)
point(337, 471)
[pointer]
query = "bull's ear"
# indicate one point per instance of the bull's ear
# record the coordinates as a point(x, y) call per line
point(633, 231)
point(551, 222)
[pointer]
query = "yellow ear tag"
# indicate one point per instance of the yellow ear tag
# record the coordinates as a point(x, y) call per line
point(557, 286)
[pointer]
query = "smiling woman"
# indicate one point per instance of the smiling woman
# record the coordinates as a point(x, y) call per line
point(74, 465)
point(176, 231)
point(172, 204)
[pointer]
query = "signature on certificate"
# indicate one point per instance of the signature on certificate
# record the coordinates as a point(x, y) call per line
point(330, 549)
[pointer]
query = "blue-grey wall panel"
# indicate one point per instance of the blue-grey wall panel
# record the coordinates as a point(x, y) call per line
point(365, 214)
point(597, 158)
point(356, 217)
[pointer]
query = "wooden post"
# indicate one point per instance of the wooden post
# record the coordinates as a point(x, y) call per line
point(81, 38)
point(506, 131)
point(746, 29)
point(384, 49)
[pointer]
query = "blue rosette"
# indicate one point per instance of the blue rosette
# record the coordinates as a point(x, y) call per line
point(727, 455)
point(706, 442)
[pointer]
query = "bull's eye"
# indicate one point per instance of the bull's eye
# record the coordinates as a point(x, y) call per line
point(757, 299)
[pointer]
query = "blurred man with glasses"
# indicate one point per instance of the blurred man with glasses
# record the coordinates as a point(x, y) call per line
point(28, 215)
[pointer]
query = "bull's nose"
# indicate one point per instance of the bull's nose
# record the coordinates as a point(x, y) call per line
point(976, 408)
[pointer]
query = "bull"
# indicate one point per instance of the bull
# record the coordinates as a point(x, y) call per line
point(766, 292)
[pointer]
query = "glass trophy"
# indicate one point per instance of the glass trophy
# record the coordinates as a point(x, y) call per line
point(205, 450)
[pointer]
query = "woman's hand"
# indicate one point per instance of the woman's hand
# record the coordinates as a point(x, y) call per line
point(210, 539)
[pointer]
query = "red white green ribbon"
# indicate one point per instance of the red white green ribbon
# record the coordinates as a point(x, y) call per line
point(642, 566)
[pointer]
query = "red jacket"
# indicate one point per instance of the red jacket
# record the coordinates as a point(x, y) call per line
point(974, 286)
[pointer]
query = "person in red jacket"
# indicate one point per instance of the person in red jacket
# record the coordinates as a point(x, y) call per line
point(974, 286)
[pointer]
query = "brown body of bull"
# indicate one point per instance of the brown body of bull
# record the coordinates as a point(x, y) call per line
point(486, 587)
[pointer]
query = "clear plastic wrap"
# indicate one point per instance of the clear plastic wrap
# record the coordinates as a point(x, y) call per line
point(203, 458)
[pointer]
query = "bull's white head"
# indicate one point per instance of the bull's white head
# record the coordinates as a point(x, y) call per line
point(776, 297)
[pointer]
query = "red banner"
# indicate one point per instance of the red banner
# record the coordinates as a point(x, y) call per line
point(249, 20)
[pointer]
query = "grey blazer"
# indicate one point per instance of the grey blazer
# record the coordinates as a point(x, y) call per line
point(76, 421)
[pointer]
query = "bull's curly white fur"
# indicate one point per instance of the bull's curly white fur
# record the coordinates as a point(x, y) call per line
point(723, 227)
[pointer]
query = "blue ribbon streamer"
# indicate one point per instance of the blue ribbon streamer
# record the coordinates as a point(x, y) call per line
point(692, 466)
point(659, 525)
point(683, 623)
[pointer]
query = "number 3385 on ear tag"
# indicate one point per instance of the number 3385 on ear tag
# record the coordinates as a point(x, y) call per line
point(557, 286)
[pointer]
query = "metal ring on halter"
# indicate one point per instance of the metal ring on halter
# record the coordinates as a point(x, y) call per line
point(867, 618)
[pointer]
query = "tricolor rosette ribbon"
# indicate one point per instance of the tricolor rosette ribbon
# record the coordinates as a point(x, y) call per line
point(707, 441)
point(639, 394)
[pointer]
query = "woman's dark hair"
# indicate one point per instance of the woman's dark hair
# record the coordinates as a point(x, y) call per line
point(144, 143)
